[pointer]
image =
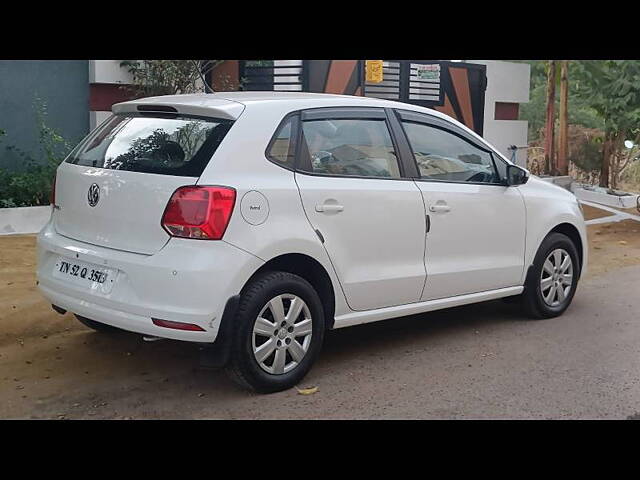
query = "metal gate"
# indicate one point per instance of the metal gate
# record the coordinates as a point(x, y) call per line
point(279, 75)
point(454, 88)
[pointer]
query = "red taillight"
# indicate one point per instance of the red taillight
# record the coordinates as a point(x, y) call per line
point(52, 197)
point(177, 325)
point(199, 212)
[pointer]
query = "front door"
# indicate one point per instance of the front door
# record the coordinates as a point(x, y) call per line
point(372, 220)
point(476, 234)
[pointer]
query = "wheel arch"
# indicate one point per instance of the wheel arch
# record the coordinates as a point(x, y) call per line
point(562, 225)
point(573, 233)
point(312, 271)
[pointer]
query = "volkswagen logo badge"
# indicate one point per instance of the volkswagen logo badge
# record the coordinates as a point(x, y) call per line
point(93, 196)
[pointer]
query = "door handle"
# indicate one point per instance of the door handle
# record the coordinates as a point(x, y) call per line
point(440, 207)
point(327, 208)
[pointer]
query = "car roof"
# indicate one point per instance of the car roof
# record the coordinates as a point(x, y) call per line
point(298, 100)
point(231, 104)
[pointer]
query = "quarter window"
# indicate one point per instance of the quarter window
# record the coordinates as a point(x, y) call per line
point(501, 167)
point(350, 147)
point(282, 149)
point(444, 156)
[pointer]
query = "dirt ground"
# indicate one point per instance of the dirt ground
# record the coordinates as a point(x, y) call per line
point(632, 210)
point(613, 245)
point(591, 213)
point(51, 366)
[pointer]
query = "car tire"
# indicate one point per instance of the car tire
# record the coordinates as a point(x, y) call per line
point(539, 299)
point(97, 326)
point(286, 364)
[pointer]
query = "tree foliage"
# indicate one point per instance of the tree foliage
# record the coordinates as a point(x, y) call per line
point(586, 153)
point(612, 89)
point(580, 112)
point(168, 77)
point(603, 95)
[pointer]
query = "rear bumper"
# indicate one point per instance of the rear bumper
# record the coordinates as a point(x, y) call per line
point(187, 281)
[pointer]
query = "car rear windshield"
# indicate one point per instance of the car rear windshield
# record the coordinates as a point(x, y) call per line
point(165, 145)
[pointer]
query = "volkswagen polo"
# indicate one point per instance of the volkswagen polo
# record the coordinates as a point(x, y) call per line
point(253, 222)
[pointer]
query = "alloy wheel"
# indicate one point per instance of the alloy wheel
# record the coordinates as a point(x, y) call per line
point(556, 278)
point(282, 334)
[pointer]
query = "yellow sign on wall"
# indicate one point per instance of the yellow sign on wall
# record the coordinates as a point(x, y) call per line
point(373, 71)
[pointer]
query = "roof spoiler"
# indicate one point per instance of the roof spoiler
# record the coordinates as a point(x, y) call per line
point(209, 107)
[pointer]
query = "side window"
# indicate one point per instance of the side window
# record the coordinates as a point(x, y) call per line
point(282, 147)
point(351, 147)
point(443, 156)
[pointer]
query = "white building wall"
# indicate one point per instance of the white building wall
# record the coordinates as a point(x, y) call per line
point(106, 72)
point(504, 133)
point(96, 118)
point(506, 82)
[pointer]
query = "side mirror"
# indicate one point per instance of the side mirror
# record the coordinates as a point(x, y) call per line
point(516, 175)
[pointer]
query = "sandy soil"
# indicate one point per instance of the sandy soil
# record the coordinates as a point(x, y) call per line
point(26, 314)
point(613, 245)
point(51, 366)
point(632, 211)
point(591, 213)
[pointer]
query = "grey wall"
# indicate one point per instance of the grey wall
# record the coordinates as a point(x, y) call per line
point(63, 85)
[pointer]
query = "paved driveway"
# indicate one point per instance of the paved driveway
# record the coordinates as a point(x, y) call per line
point(480, 361)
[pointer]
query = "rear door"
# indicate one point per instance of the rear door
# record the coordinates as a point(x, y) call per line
point(113, 188)
point(476, 235)
point(371, 219)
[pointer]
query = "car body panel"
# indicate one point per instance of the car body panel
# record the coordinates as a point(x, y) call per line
point(376, 243)
point(240, 162)
point(478, 244)
point(176, 283)
point(128, 213)
point(358, 318)
point(548, 206)
point(208, 273)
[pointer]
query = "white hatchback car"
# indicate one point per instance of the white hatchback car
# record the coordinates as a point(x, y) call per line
point(256, 221)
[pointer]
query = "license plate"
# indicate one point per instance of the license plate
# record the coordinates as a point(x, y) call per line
point(85, 274)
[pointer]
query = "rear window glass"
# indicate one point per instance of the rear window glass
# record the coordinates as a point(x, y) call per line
point(175, 145)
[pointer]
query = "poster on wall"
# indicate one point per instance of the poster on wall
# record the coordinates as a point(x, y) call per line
point(373, 71)
point(429, 72)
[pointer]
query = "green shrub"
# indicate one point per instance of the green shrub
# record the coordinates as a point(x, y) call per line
point(586, 153)
point(32, 185)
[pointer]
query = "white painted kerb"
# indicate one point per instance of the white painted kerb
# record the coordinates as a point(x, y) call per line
point(627, 201)
point(23, 219)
